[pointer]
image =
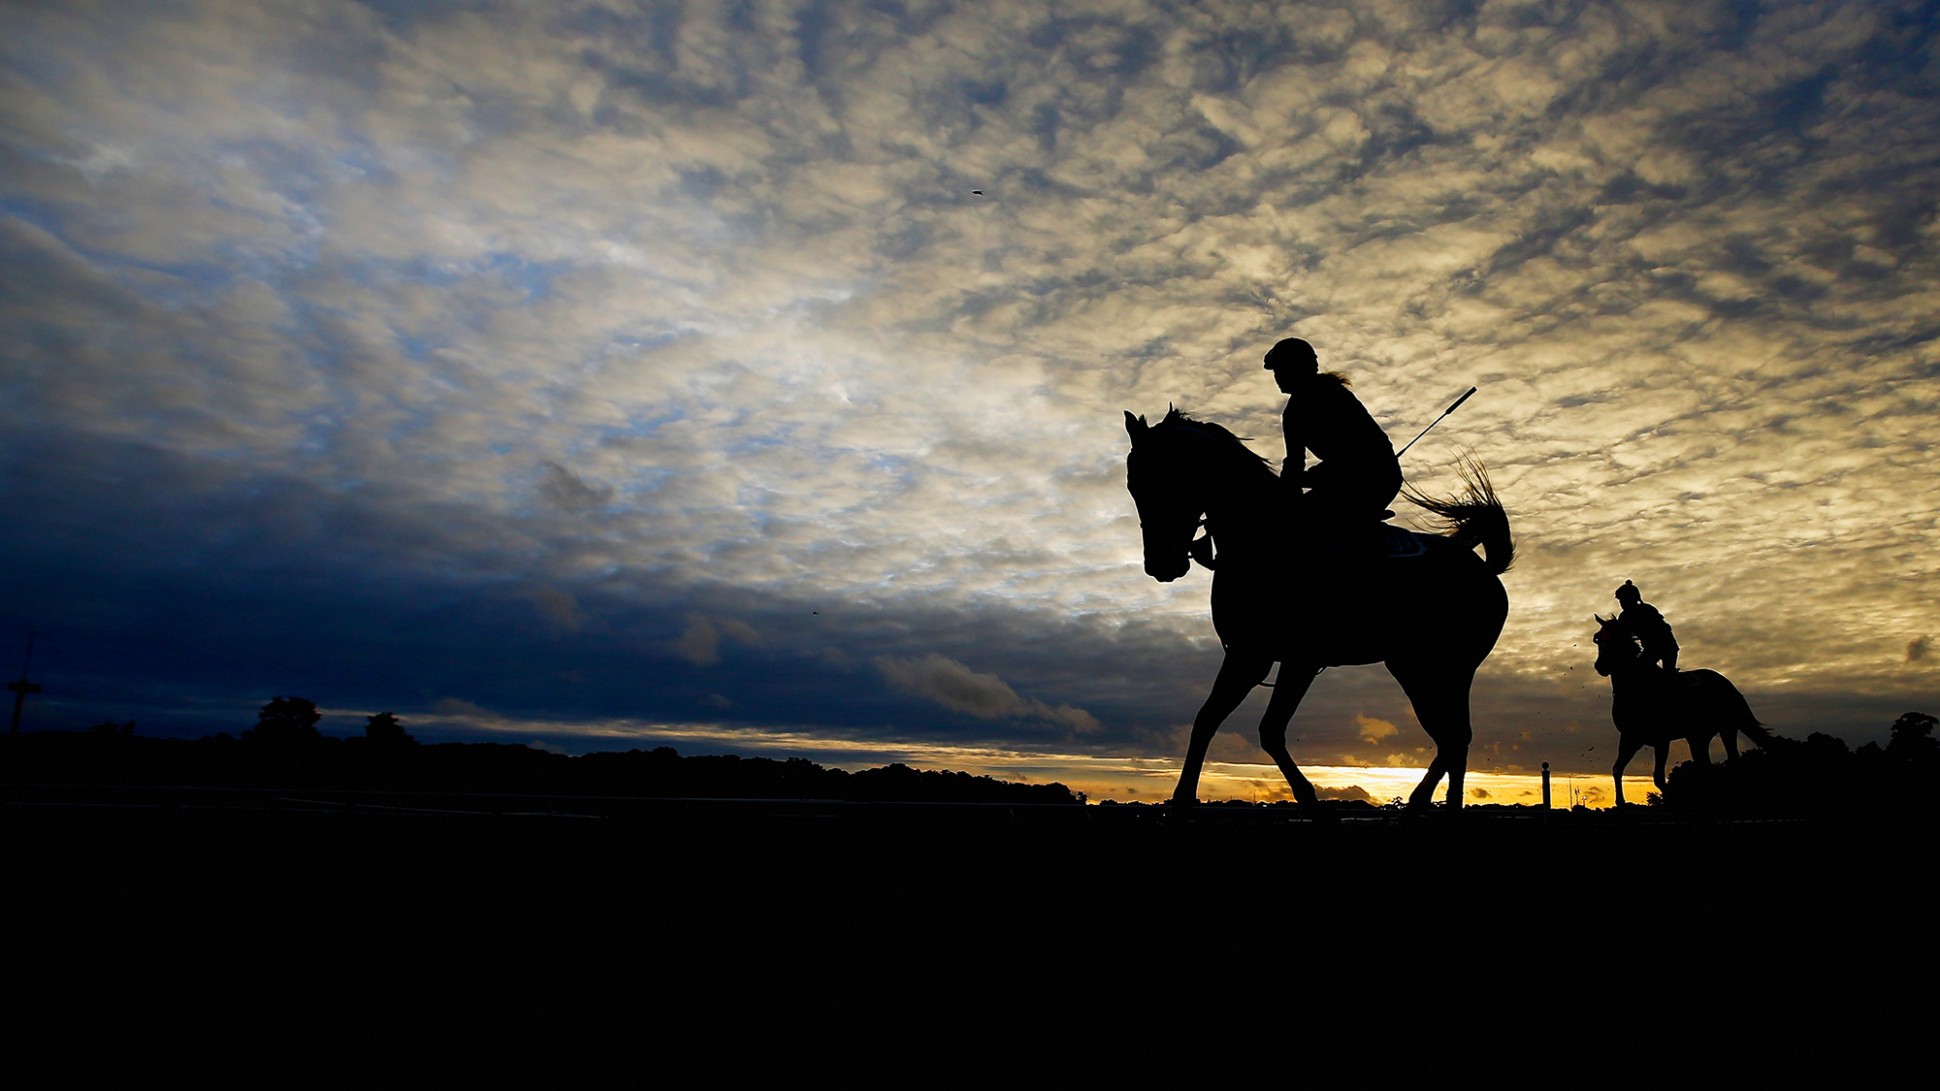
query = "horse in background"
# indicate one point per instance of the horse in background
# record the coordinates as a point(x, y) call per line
point(1432, 617)
point(1654, 707)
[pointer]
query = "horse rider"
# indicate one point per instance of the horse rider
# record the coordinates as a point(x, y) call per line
point(1346, 492)
point(1647, 624)
point(1337, 503)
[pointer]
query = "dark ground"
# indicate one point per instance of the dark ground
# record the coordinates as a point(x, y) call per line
point(238, 908)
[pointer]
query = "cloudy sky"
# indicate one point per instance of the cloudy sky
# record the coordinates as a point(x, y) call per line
point(748, 377)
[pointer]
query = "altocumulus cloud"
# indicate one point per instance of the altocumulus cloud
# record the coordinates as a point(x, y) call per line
point(395, 353)
point(957, 687)
point(1375, 731)
point(700, 642)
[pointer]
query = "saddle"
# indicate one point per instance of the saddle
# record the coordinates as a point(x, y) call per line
point(1370, 548)
point(1387, 542)
point(1394, 544)
point(1383, 542)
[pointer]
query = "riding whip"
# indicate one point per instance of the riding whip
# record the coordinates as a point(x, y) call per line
point(1437, 420)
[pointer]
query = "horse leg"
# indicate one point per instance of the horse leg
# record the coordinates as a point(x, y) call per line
point(1663, 755)
point(1287, 691)
point(1237, 677)
point(1701, 749)
point(1730, 737)
point(1626, 749)
point(1440, 698)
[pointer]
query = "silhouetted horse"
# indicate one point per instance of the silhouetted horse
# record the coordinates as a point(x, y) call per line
point(1652, 707)
point(1432, 618)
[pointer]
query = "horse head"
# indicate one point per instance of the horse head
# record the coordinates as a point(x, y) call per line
point(1616, 647)
point(1180, 469)
point(1158, 471)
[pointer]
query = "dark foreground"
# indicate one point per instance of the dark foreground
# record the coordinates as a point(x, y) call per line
point(226, 906)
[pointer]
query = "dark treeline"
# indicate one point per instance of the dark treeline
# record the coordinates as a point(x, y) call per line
point(285, 750)
point(1822, 775)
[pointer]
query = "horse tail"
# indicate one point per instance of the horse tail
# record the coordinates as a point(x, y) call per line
point(1726, 703)
point(1747, 722)
point(1473, 518)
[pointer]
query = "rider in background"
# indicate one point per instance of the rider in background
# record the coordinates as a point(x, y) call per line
point(1346, 492)
point(1647, 624)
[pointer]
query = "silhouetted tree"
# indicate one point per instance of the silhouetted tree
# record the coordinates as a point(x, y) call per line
point(1827, 749)
point(286, 720)
point(1912, 738)
point(384, 729)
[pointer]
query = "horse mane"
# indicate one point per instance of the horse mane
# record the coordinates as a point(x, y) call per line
point(1178, 418)
point(1631, 643)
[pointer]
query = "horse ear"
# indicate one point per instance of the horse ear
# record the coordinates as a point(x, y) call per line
point(1135, 426)
point(1598, 617)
